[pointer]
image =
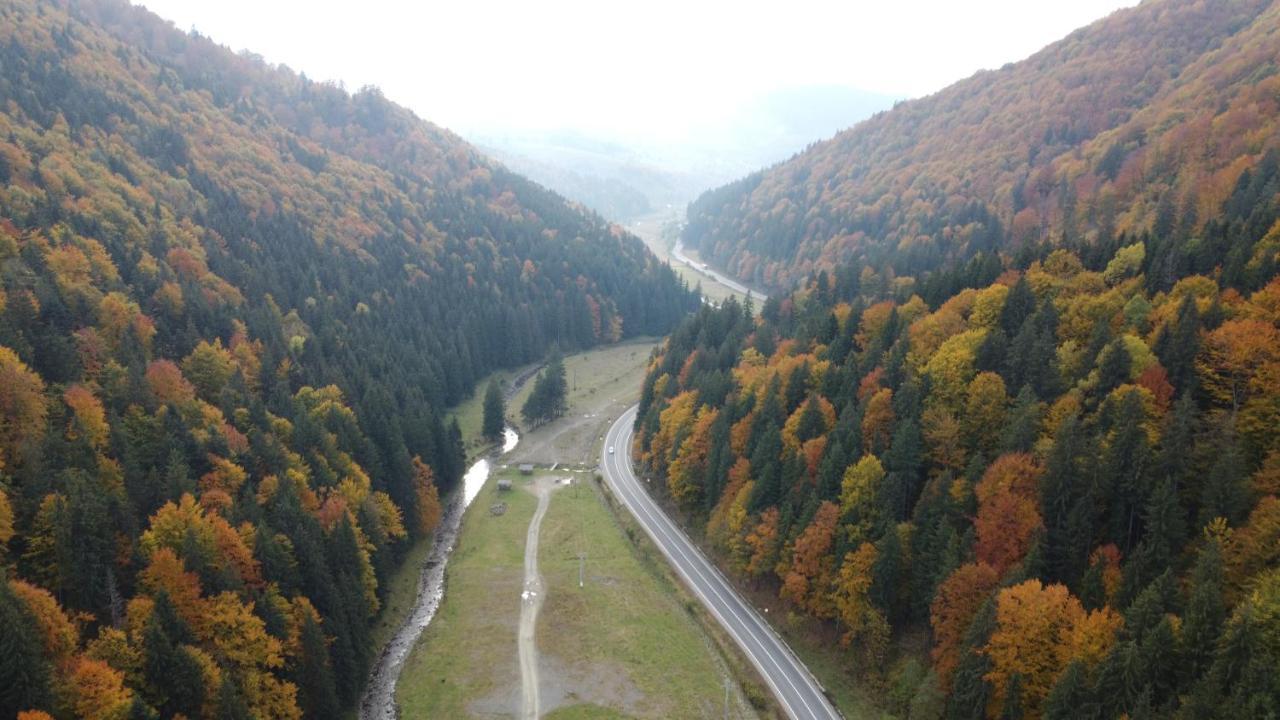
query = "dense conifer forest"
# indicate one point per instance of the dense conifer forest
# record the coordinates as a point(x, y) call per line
point(234, 304)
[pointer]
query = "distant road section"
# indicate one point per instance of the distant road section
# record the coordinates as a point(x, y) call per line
point(677, 252)
point(795, 688)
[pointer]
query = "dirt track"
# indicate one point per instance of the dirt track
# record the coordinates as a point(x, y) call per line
point(531, 602)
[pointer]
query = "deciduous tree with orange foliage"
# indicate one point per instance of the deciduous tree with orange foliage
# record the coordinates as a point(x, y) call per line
point(811, 576)
point(954, 604)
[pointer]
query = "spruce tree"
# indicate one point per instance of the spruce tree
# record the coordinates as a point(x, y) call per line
point(1070, 694)
point(549, 398)
point(1019, 305)
point(1113, 368)
point(1205, 613)
point(1177, 347)
point(1225, 494)
point(314, 675)
point(886, 577)
point(1022, 428)
point(811, 422)
point(970, 690)
point(1065, 505)
point(1013, 709)
point(24, 672)
point(1124, 473)
point(231, 704)
point(494, 410)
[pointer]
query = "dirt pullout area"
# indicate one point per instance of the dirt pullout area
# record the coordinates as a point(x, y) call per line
point(602, 383)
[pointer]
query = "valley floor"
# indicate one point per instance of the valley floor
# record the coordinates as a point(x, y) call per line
point(626, 643)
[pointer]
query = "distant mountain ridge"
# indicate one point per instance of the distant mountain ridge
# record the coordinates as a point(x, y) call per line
point(625, 177)
point(1153, 110)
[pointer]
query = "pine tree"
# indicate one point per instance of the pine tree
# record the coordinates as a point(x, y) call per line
point(494, 410)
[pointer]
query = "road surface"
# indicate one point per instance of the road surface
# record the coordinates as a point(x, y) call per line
point(795, 688)
point(530, 603)
point(677, 252)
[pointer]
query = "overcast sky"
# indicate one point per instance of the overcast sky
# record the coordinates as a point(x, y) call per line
point(652, 67)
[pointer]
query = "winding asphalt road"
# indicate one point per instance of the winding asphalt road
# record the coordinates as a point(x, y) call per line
point(792, 684)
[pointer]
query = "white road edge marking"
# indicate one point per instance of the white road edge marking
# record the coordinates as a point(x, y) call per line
point(753, 625)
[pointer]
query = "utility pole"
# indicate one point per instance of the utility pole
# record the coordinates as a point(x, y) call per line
point(726, 699)
point(582, 566)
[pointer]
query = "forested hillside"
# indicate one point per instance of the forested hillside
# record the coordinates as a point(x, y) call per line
point(233, 306)
point(1145, 119)
point(1060, 467)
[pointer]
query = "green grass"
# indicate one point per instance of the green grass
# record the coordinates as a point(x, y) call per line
point(585, 711)
point(628, 629)
point(470, 413)
point(468, 652)
point(831, 665)
point(626, 617)
point(609, 371)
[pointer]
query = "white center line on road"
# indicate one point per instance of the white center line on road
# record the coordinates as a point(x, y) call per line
point(792, 684)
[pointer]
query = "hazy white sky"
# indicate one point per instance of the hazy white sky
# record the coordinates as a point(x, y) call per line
point(654, 67)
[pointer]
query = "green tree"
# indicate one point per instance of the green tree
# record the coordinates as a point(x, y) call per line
point(1066, 505)
point(1225, 494)
point(1070, 694)
point(549, 398)
point(24, 672)
point(1205, 613)
point(1113, 367)
point(314, 676)
point(495, 410)
point(970, 689)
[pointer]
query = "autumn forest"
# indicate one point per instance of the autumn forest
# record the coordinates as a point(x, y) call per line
point(1009, 433)
point(234, 305)
point(1004, 433)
